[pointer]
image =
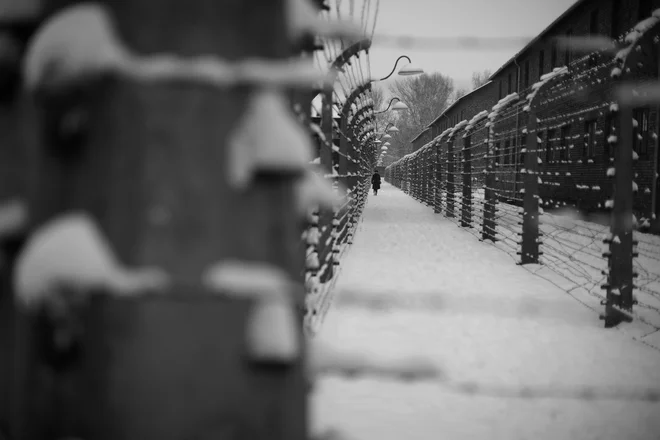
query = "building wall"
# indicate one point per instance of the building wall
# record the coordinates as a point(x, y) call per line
point(421, 140)
point(575, 170)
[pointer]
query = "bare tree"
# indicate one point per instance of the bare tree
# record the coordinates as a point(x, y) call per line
point(480, 78)
point(378, 96)
point(426, 97)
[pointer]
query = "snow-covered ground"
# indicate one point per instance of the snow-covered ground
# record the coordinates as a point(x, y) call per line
point(507, 340)
point(573, 258)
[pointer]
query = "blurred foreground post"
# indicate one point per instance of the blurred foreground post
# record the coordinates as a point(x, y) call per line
point(619, 287)
point(152, 171)
point(18, 19)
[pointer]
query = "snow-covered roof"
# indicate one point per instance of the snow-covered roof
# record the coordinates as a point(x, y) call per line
point(543, 33)
point(420, 134)
point(457, 101)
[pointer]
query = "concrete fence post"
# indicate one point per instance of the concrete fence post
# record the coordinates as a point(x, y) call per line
point(490, 196)
point(450, 205)
point(530, 222)
point(620, 277)
point(437, 157)
point(149, 173)
point(466, 209)
point(429, 175)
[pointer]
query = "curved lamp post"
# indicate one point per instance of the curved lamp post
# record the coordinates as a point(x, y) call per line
point(407, 70)
point(399, 106)
point(389, 128)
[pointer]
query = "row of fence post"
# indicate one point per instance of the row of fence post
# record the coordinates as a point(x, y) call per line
point(409, 175)
point(149, 167)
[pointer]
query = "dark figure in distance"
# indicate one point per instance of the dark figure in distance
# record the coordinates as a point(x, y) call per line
point(375, 182)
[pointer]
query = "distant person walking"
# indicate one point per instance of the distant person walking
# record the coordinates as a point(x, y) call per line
point(375, 182)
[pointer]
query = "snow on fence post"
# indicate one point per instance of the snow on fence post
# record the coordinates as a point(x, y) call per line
point(619, 286)
point(333, 254)
point(409, 176)
point(161, 195)
point(353, 181)
point(396, 174)
point(466, 213)
point(418, 179)
point(451, 179)
point(342, 170)
point(428, 168)
point(346, 151)
point(490, 196)
point(437, 201)
point(415, 175)
point(405, 176)
point(431, 175)
point(326, 215)
point(530, 224)
point(425, 181)
point(418, 174)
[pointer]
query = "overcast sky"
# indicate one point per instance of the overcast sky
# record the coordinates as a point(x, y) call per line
point(443, 18)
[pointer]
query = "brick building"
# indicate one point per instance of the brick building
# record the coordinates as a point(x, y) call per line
point(576, 152)
point(422, 138)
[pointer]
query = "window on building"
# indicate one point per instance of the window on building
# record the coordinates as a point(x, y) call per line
point(507, 148)
point(510, 89)
point(590, 128)
point(609, 131)
point(499, 90)
point(644, 10)
point(516, 81)
point(567, 52)
point(554, 55)
point(462, 114)
point(616, 18)
point(641, 132)
point(564, 142)
point(526, 75)
point(541, 63)
point(594, 22)
point(549, 152)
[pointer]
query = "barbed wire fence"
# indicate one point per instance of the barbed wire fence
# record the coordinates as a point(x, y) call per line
point(481, 177)
point(342, 158)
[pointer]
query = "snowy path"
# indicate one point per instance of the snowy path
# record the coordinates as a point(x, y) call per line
point(483, 319)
